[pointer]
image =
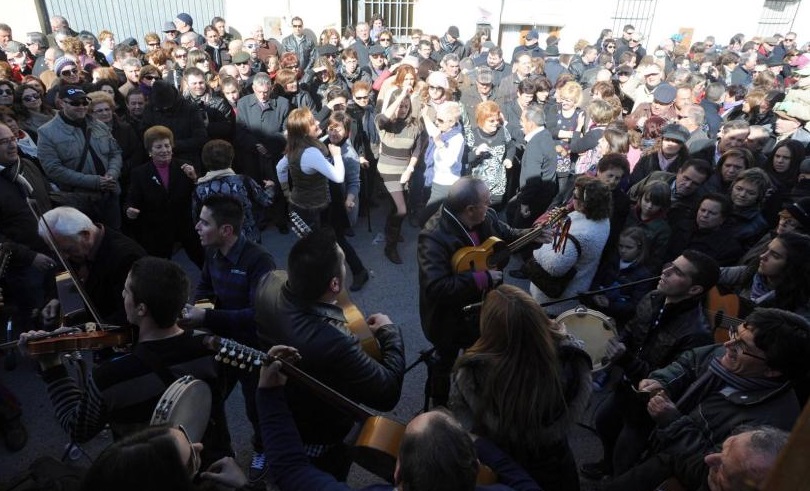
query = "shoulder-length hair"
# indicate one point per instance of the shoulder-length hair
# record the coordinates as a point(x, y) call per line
point(518, 344)
point(299, 123)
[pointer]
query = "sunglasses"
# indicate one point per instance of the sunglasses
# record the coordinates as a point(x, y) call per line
point(31, 98)
point(250, 46)
point(150, 77)
point(241, 63)
point(6, 92)
point(339, 107)
point(154, 45)
point(441, 121)
point(377, 56)
point(72, 71)
point(361, 97)
point(83, 102)
point(435, 87)
point(385, 40)
point(298, 26)
point(181, 56)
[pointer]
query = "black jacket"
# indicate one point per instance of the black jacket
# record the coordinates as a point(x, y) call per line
point(18, 226)
point(218, 113)
point(186, 124)
point(331, 355)
point(443, 293)
point(654, 343)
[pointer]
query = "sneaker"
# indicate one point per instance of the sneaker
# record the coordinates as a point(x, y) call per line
point(258, 468)
point(595, 470)
point(359, 280)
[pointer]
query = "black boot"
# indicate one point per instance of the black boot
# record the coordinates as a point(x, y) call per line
point(393, 225)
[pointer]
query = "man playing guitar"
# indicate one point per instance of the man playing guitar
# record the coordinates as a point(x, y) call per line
point(465, 219)
point(300, 311)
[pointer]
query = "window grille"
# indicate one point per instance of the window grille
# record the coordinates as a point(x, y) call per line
point(777, 17)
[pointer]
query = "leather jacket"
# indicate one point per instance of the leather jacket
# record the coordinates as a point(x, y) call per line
point(330, 354)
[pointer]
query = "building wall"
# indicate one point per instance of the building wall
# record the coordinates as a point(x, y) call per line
point(276, 15)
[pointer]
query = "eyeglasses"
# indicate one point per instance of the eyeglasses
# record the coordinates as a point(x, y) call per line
point(6, 92)
point(193, 464)
point(72, 71)
point(298, 26)
point(31, 98)
point(150, 77)
point(83, 102)
point(385, 40)
point(7, 141)
point(435, 87)
point(739, 345)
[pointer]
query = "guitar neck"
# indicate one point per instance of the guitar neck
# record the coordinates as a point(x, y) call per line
point(245, 357)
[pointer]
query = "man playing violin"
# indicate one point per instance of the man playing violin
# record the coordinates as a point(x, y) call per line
point(124, 391)
point(669, 321)
point(100, 256)
point(465, 219)
point(435, 451)
point(300, 311)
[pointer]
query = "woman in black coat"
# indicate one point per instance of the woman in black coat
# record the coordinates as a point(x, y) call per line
point(159, 200)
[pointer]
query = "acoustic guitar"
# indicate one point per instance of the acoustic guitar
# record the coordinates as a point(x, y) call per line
point(494, 253)
point(725, 310)
point(376, 448)
point(355, 320)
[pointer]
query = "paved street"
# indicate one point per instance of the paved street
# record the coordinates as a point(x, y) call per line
point(391, 290)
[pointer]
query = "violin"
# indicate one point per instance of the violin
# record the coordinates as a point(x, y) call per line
point(67, 339)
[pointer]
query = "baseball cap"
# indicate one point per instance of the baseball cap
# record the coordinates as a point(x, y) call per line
point(800, 210)
point(72, 93)
point(532, 35)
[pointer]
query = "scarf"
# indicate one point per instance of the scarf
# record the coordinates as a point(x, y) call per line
point(760, 291)
point(368, 125)
point(718, 377)
point(215, 174)
point(664, 162)
point(431, 150)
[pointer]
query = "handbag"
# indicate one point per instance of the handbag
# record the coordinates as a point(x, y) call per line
point(552, 286)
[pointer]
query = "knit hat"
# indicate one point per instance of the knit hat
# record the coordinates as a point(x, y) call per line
point(63, 62)
point(185, 18)
point(453, 31)
point(552, 50)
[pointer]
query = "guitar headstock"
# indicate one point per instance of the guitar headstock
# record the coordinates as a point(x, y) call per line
point(299, 226)
point(229, 352)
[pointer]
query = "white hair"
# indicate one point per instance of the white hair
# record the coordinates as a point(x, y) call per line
point(64, 221)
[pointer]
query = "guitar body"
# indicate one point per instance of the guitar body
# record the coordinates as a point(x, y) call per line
point(355, 320)
point(724, 311)
point(357, 324)
point(377, 446)
point(481, 257)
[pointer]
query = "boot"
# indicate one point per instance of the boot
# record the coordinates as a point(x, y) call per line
point(393, 225)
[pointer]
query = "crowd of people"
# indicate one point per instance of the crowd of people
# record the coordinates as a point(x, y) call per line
point(679, 171)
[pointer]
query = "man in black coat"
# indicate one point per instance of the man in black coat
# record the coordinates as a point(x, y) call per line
point(464, 220)
point(167, 108)
point(298, 309)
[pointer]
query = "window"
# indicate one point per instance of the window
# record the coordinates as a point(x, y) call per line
point(777, 17)
point(639, 13)
point(398, 14)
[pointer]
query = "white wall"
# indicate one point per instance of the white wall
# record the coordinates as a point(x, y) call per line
point(243, 15)
point(21, 15)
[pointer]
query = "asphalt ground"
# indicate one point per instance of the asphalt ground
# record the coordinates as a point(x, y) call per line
point(392, 290)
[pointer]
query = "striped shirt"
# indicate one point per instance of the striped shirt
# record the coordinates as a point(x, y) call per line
point(399, 142)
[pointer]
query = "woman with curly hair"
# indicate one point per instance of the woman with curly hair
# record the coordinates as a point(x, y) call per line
point(30, 107)
point(521, 351)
